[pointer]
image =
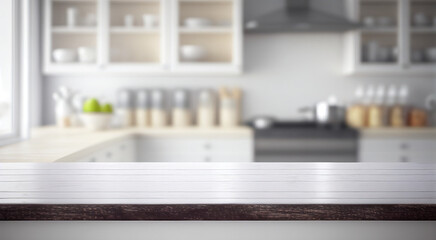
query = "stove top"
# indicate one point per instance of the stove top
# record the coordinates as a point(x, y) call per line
point(287, 129)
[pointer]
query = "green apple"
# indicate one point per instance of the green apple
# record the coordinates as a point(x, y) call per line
point(107, 108)
point(91, 106)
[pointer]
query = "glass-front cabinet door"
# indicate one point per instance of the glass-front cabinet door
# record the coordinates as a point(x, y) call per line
point(71, 35)
point(397, 37)
point(137, 35)
point(379, 36)
point(143, 36)
point(206, 35)
point(422, 33)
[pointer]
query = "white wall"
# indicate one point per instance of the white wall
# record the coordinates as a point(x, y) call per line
point(282, 73)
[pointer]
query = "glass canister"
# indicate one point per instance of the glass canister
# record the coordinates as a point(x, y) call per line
point(159, 116)
point(181, 113)
point(230, 107)
point(125, 108)
point(206, 112)
point(142, 108)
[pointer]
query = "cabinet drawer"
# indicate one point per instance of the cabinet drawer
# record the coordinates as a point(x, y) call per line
point(196, 146)
point(387, 145)
point(122, 151)
point(397, 157)
point(168, 157)
point(237, 158)
point(226, 146)
point(171, 145)
point(172, 157)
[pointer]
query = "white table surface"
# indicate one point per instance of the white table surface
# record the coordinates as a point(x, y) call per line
point(217, 183)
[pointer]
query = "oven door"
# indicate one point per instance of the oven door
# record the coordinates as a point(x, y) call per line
point(306, 150)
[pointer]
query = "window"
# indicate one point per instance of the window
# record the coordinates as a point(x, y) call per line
point(11, 85)
point(6, 68)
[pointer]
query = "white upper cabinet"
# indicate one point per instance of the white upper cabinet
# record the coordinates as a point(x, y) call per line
point(218, 44)
point(391, 41)
point(137, 35)
point(70, 25)
point(143, 37)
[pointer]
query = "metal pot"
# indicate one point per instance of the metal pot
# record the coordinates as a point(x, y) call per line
point(327, 114)
point(263, 122)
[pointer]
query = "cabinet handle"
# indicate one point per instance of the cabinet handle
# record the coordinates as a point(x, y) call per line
point(207, 159)
point(109, 155)
point(92, 160)
point(404, 159)
point(207, 146)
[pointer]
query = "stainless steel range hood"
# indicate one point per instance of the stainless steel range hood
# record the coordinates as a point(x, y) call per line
point(299, 16)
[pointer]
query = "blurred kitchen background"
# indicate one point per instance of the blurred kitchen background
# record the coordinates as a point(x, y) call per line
point(284, 71)
point(301, 80)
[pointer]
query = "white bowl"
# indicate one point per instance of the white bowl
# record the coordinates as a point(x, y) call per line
point(192, 53)
point(431, 54)
point(96, 121)
point(197, 22)
point(64, 55)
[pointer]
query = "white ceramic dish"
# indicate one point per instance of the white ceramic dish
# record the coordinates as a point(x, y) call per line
point(197, 22)
point(64, 55)
point(192, 53)
point(86, 54)
point(96, 121)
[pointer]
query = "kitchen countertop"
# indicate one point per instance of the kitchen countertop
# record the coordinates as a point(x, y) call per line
point(217, 191)
point(51, 144)
point(399, 133)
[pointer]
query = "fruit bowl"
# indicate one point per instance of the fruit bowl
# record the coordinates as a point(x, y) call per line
point(96, 121)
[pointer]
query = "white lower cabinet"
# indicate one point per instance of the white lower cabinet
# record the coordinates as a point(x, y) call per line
point(119, 151)
point(172, 149)
point(397, 150)
point(193, 149)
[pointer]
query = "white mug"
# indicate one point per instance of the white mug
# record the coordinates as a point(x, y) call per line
point(150, 20)
point(129, 20)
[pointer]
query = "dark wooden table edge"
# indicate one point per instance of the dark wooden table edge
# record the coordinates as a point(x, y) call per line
point(217, 212)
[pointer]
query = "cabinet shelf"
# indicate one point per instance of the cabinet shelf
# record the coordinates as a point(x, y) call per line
point(74, 1)
point(205, 1)
point(379, 30)
point(140, 30)
point(423, 30)
point(135, 1)
point(78, 30)
point(205, 30)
